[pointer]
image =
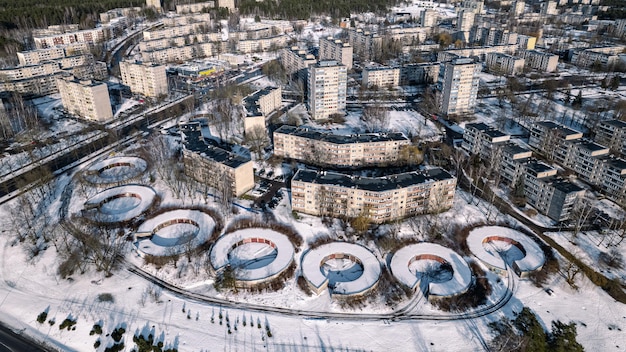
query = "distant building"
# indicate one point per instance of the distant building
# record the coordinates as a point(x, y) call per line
point(154, 3)
point(428, 18)
point(517, 8)
point(381, 76)
point(90, 36)
point(336, 49)
point(603, 57)
point(86, 99)
point(526, 42)
point(146, 79)
point(296, 62)
point(540, 61)
point(458, 86)
point(366, 45)
point(320, 148)
point(504, 64)
point(196, 7)
point(327, 84)
point(214, 166)
point(381, 199)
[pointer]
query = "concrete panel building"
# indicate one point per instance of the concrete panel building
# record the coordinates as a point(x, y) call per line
point(87, 99)
point(458, 86)
point(381, 199)
point(504, 64)
point(381, 76)
point(336, 49)
point(296, 61)
point(366, 44)
point(422, 73)
point(428, 18)
point(327, 84)
point(196, 7)
point(260, 104)
point(214, 166)
point(612, 133)
point(90, 36)
point(604, 57)
point(320, 148)
point(540, 61)
point(147, 79)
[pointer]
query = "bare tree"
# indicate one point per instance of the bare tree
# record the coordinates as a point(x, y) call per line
point(375, 118)
point(580, 214)
point(257, 139)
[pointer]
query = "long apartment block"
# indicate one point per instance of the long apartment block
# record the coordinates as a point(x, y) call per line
point(336, 49)
point(549, 194)
point(321, 148)
point(382, 199)
point(87, 99)
point(589, 160)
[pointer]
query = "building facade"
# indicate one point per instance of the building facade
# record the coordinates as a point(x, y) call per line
point(458, 86)
point(505, 64)
point(336, 49)
point(381, 76)
point(146, 79)
point(214, 166)
point(320, 148)
point(540, 61)
point(366, 44)
point(381, 199)
point(87, 99)
point(327, 84)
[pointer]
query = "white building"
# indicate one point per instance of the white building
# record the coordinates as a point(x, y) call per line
point(540, 61)
point(87, 99)
point(147, 79)
point(381, 76)
point(458, 86)
point(504, 64)
point(336, 49)
point(428, 18)
point(327, 84)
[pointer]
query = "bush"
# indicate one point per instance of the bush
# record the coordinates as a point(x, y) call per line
point(117, 334)
point(41, 318)
point(96, 344)
point(96, 329)
point(67, 323)
point(475, 296)
point(106, 297)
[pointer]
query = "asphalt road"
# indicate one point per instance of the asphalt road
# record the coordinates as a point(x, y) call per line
point(12, 342)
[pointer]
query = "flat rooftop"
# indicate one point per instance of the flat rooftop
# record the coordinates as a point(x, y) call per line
point(376, 184)
point(251, 101)
point(538, 167)
point(341, 139)
point(195, 142)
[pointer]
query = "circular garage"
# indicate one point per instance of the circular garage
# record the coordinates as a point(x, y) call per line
point(115, 170)
point(342, 268)
point(119, 204)
point(502, 247)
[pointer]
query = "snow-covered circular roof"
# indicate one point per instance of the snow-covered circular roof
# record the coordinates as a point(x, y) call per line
point(120, 203)
point(170, 232)
point(227, 243)
point(481, 242)
point(313, 260)
point(116, 169)
point(404, 257)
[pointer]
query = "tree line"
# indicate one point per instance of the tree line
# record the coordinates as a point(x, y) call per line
point(304, 9)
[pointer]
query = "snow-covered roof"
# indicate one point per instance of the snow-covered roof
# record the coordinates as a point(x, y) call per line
point(110, 209)
point(312, 267)
point(167, 238)
point(226, 243)
point(479, 242)
point(115, 169)
point(461, 274)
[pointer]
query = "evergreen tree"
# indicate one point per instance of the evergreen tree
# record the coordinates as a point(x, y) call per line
point(564, 338)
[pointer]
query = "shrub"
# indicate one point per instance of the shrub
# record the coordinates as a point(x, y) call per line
point(41, 318)
point(96, 344)
point(96, 329)
point(67, 323)
point(475, 296)
point(106, 297)
point(117, 334)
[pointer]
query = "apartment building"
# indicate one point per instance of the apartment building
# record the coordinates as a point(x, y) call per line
point(381, 76)
point(481, 139)
point(34, 57)
point(540, 61)
point(154, 3)
point(321, 148)
point(550, 195)
point(262, 44)
point(426, 72)
point(526, 42)
point(327, 84)
point(260, 104)
point(366, 44)
point(214, 166)
point(549, 8)
point(620, 27)
point(517, 8)
point(185, 40)
point(181, 20)
point(174, 31)
point(90, 36)
point(336, 49)
point(87, 99)
point(612, 133)
point(505, 64)
point(177, 54)
point(193, 8)
point(479, 51)
point(589, 160)
point(465, 20)
point(147, 79)
point(478, 6)
point(296, 61)
point(605, 57)
point(428, 18)
point(382, 199)
point(458, 86)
